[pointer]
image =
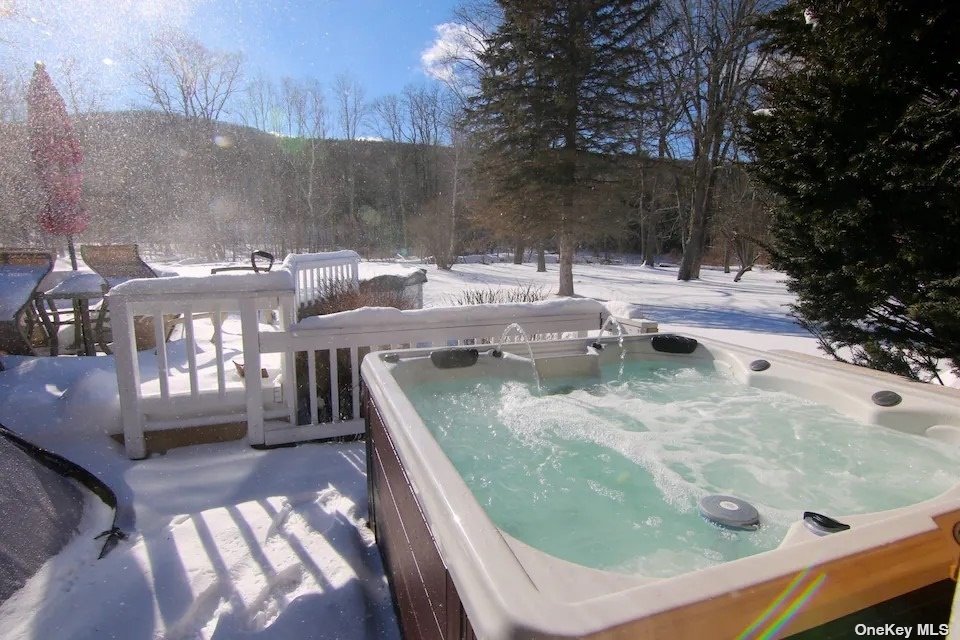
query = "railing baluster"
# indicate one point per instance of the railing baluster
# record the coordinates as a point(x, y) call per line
point(217, 319)
point(334, 387)
point(312, 385)
point(160, 337)
point(252, 383)
point(191, 347)
point(355, 381)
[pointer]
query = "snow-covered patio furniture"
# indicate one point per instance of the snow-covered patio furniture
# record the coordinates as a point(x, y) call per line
point(21, 271)
point(117, 263)
point(80, 289)
point(409, 286)
point(255, 265)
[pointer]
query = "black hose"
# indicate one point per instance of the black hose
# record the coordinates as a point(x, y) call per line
point(69, 469)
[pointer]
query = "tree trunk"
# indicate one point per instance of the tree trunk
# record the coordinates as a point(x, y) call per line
point(453, 204)
point(518, 252)
point(693, 249)
point(73, 253)
point(541, 259)
point(644, 232)
point(566, 265)
point(726, 257)
point(650, 242)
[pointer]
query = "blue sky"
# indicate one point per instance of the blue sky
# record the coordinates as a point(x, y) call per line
point(378, 42)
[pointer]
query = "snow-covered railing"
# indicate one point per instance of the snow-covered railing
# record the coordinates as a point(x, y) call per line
point(309, 387)
point(328, 350)
point(203, 391)
point(316, 274)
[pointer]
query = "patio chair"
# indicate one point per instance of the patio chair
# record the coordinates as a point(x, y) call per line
point(255, 266)
point(117, 263)
point(21, 324)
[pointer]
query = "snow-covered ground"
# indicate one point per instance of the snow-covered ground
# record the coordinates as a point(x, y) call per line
point(229, 542)
point(752, 312)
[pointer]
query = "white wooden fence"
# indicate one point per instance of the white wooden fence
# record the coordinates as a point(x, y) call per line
point(210, 392)
point(316, 274)
point(197, 385)
point(339, 341)
point(312, 387)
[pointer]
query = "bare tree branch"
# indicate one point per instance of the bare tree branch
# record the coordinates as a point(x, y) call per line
point(179, 75)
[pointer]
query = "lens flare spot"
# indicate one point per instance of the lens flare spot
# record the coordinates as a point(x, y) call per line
point(223, 141)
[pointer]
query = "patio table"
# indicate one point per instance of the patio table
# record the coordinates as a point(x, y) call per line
point(79, 288)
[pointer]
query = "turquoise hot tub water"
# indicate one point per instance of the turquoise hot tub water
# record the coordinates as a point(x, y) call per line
point(609, 474)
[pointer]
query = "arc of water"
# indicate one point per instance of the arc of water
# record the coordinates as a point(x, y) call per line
point(516, 328)
point(623, 351)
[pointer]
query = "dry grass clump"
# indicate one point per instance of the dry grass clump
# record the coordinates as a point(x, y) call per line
point(490, 295)
point(345, 297)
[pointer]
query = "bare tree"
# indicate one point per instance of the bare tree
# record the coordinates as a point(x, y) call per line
point(258, 103)
point(13, 106)
point(744, 218)
point(82, 90)
point(352, 111)
point(658, 127)
point(454, 59)
point(388, 121)
point(179, 75)
point(425, 114)
point(352, 108)
point(713, 62)
point(309, 116)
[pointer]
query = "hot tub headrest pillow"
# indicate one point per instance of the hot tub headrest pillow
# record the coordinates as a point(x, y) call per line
point(454, 358)
point(669, 343)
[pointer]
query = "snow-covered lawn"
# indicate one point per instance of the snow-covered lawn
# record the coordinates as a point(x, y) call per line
point(229, 542)
point(751, 312)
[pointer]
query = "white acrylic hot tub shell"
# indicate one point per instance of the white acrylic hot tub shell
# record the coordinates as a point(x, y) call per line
point(511, 590)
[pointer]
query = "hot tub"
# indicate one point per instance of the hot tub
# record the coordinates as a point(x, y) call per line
point(561, 500)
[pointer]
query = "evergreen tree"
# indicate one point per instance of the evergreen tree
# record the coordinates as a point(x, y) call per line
point(861, 143)
point(557, 97)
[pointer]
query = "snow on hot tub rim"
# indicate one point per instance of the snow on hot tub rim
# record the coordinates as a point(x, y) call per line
point(506, 595)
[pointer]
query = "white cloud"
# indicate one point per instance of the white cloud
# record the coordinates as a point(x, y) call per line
point(454, 43)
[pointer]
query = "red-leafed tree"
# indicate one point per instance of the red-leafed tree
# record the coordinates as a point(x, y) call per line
point(57, 159)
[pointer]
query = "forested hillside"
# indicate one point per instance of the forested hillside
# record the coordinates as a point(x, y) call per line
point(209, 189)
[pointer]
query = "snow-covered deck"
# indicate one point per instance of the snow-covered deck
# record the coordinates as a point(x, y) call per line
point(220, 532)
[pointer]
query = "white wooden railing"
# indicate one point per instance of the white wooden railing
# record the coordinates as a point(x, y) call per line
point(316, 274)
point(351, 334)
point(196, 385)
point(210, 392)
point(190, 382)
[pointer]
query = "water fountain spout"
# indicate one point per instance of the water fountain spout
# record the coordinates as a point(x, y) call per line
point(518, 330)
point(623, 352)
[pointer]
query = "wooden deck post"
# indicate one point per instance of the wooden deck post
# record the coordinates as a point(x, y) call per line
point(128, 377)
point(251, 380)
